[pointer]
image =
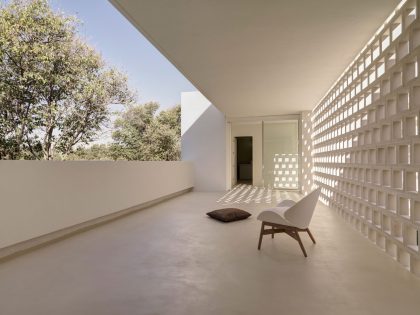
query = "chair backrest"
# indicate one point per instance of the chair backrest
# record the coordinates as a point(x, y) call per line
point(301, 213)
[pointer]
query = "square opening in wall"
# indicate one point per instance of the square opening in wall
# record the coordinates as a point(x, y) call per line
point(358, 225)
point(368, 137)
point(403, 102)
point(404, 207)
point(416, 153)
point(391, 248)
point(396, 28)
point(386, 133)
point(361, 175)
point(403, 257)
point(365, 156)
point(376, 91)
point(368, 214)
point(410, 237)
point(372, 196)
point(412, 179)
point(403, 49)
point(380, 158)
point(415, 39)
point(397, 129)
point(397, 179)
point(372, 156)
point(396, 230)
point(391, 155)
point(409, 14)
point(415, 265)
point(380, 112)
point(390, 59)
point(385, 87)
point(372, 235)
point(380, 241)
point(411, 126)
point(396, 80)
point(377, 177)
point(385, 40)
point(391, 107)
point(386, 178)
point(391, 203)
point(404, 154)
point(415, 205)
point(372, 116)
point(368, 176)
point(381, 199)
point(365, 194)
point(361, 139)
point(368, 59)
point(364, 229)
point(415, 97)
point(386, 224)
point(376, 216)
point(364, 119)
point(376, 135)
point(376, 49)
point(410, 71)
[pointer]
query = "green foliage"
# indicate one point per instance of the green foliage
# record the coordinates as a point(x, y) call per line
point(95, 152)
point(129, 131)
point(54, 89)
point(140, 134)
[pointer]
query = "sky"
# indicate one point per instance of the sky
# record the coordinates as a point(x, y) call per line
point(121, 45)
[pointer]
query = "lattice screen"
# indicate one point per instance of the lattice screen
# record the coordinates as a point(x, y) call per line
point(366, 144)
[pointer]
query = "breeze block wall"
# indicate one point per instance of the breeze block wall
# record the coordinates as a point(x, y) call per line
point(366, 144)
point(306, 179)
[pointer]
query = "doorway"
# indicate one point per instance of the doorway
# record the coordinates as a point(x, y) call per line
point(244, 160)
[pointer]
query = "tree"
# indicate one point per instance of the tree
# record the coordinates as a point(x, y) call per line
point(94, 152)
point(129, 130)
point(140, 134)
point(54, 89)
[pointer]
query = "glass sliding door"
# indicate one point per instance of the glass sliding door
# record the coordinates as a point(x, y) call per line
point(281, 154)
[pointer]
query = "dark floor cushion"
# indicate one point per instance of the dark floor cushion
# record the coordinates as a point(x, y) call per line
point(229, 214)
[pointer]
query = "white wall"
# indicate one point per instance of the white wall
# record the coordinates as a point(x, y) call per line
point(254, 130)
point(366, 152)
point(203, 129)
point(40, 197)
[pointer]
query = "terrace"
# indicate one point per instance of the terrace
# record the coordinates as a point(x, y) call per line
point(172, 259)
point(327, 96)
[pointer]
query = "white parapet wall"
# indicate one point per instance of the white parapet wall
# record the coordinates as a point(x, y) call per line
point(42, 197)
point(366, 139)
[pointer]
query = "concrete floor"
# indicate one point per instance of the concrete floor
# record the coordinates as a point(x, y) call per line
point(172, 259)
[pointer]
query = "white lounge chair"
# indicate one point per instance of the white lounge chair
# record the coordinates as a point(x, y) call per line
point(290, 217)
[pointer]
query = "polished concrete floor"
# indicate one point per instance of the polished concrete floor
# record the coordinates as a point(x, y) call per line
point(172, 259)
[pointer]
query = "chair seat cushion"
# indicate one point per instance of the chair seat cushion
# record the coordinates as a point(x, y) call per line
point(228, 214)
point(274, 215)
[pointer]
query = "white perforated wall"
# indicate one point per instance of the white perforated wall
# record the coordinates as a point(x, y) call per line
point(366, 145)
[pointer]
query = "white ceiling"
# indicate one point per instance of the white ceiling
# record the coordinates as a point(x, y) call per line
point(259, 57)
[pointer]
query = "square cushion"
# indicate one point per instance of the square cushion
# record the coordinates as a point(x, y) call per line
point(228, 214)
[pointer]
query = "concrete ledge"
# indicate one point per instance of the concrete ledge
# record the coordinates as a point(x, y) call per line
point(21, 248)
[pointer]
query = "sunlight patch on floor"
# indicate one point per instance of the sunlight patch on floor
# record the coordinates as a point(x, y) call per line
point(249, 194)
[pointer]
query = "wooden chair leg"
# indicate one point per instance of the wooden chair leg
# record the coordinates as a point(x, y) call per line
point(311, 236)
point(300, 243)
point(272, 235)
point(261, 236)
